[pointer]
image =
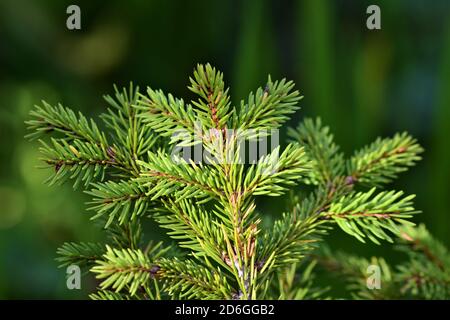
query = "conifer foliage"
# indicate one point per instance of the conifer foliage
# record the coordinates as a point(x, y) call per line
point(222, 245)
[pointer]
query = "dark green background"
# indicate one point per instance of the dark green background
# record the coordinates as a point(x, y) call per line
point(362, 83)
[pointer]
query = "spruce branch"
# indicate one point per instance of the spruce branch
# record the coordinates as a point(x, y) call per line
point(364, 214)
point(298, 282)
point(190, 280)
point(210, 207)
point(214, 104)
point(381, 162)
point(127, 235)
point(353, 272)
point(132, 138)
point(126, 267)
point(58, 119)
point(167, 176)
point(81, 161)
point(80, 151)
point(299, 230)
point(427, 272)
point(425, 275)
point(328, 162)
point(123, 200)
point(274, 172)
point(166, 114)
point(83, 254)
point(269, 107)
point(194, 228)
point(289, 240)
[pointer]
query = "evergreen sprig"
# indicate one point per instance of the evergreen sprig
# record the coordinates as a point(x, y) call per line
point(380, 162)
point(124, 267)
point(373, 214)
point(227, 248)
point(328, 161)
point(424, 275)
point(83, 254)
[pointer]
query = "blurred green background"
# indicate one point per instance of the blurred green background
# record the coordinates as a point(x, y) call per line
point(362, 83)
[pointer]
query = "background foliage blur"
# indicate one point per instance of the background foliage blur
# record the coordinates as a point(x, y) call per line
point(362, 83)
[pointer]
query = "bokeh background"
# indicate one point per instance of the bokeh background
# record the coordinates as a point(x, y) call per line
point(362, 83)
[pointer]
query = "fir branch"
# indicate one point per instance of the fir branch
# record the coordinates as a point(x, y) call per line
point(297, 282)
point(423, 243)
point(364, 214)
point(209, 208)
point(275, 173)
point(380, 162)
point(269, 107)
point(133, 139)
point(125, 267)
point(48, 119)
point(132, 268)
point(327, 160)
point(297, 232)
point(289, 240)
point(81, 153)
point(81, 161)
point(194, 228)
point(166, 114)
point(189, 280)
point(124, 200)
point(420, 280)
point(426, 275)
point(126, 235)
point(353, 272)
point(214, 104)
point(167, 176)
point(83, 254)
point(320, 199)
